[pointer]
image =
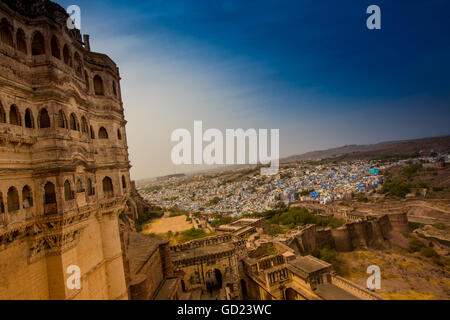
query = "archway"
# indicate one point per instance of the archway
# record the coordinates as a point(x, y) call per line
point(290, 294)
point(244, 289)
point(218, 275)
point(50, 206)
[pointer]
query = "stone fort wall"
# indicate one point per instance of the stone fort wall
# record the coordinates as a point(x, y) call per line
point(64, 168)
point(360, 234)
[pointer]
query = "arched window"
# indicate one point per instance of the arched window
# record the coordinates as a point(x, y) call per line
point(2, 205)
point(44, 119)
point(92, 133)
point(84, 125)
point(49, 193)
point(62, 120)
point(68, 193)
point(6, 36)
point(114, 89)
point(78, 67)
point(27, 197)
point(90, 188)
point(108, 190)
point(56, 51)
point(14, 117)
point(79, 186)
point(29, 121)
point(102, 133)
point(37, 44)
point(86, 79)
point(21, 42)
point(98, 86)
point(50, 199)
point(73, 122)
point(119, 135)
point(13, 199)
point(124, 182)
point(2, 114)
point(66, 55)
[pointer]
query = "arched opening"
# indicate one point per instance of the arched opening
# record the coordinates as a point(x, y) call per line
point(6, 35)
point(37, 44)
point(98, 86)
point(2, 114)
point(13, 199)
point(56, 51)
point(49, 199)
point(29, 121)
point(244, 289)
point(102, 133)
point(73, 122)
point(86, 79)
point(218, 275)
point(108, 190)
point(84, 125)
point(78, 67)
point(92, 133)
point(80, 188)
point(44, 119)
point(21, 42)
point(62, 120)
point(290, 294)
point(68, 193)
point(90, 188)
point(2, 204)
point(124, 182)
point(27, 197)
point(14, 117)
point(183, 286)
point(213, 281)
point(119, 135)
point(114, 89)
point(67, 58)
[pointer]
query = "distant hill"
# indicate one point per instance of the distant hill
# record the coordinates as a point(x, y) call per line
point(392, 148)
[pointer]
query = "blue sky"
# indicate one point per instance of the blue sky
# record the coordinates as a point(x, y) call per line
point(310, 68)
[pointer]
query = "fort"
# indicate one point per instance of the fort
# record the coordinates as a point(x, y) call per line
point(371, 232)
point(64, 168)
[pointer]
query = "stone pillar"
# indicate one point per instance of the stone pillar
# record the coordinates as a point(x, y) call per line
point(112, 254)
point(55, 275)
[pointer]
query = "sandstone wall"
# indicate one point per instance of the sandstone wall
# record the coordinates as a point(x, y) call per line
point(64, 167)
point(373, 232)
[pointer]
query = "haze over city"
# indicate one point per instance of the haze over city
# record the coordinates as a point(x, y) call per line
point(311, 69)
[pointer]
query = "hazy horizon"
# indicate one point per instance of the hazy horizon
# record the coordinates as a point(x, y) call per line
point(311, 69)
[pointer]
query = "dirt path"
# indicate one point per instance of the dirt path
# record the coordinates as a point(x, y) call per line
point(164, 225)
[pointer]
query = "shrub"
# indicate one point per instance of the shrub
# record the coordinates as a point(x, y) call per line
point(440, 226)
point(411, 170)
point(396, 188)
point(274, 229)
point(415, 225)
point(221, 221)
point(416, 245)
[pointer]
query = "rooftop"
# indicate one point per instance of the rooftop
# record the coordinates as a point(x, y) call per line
point(329, 291)
point(309, 264)
point(201, 251)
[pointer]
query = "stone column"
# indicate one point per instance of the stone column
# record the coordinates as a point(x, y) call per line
point(112, 254)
